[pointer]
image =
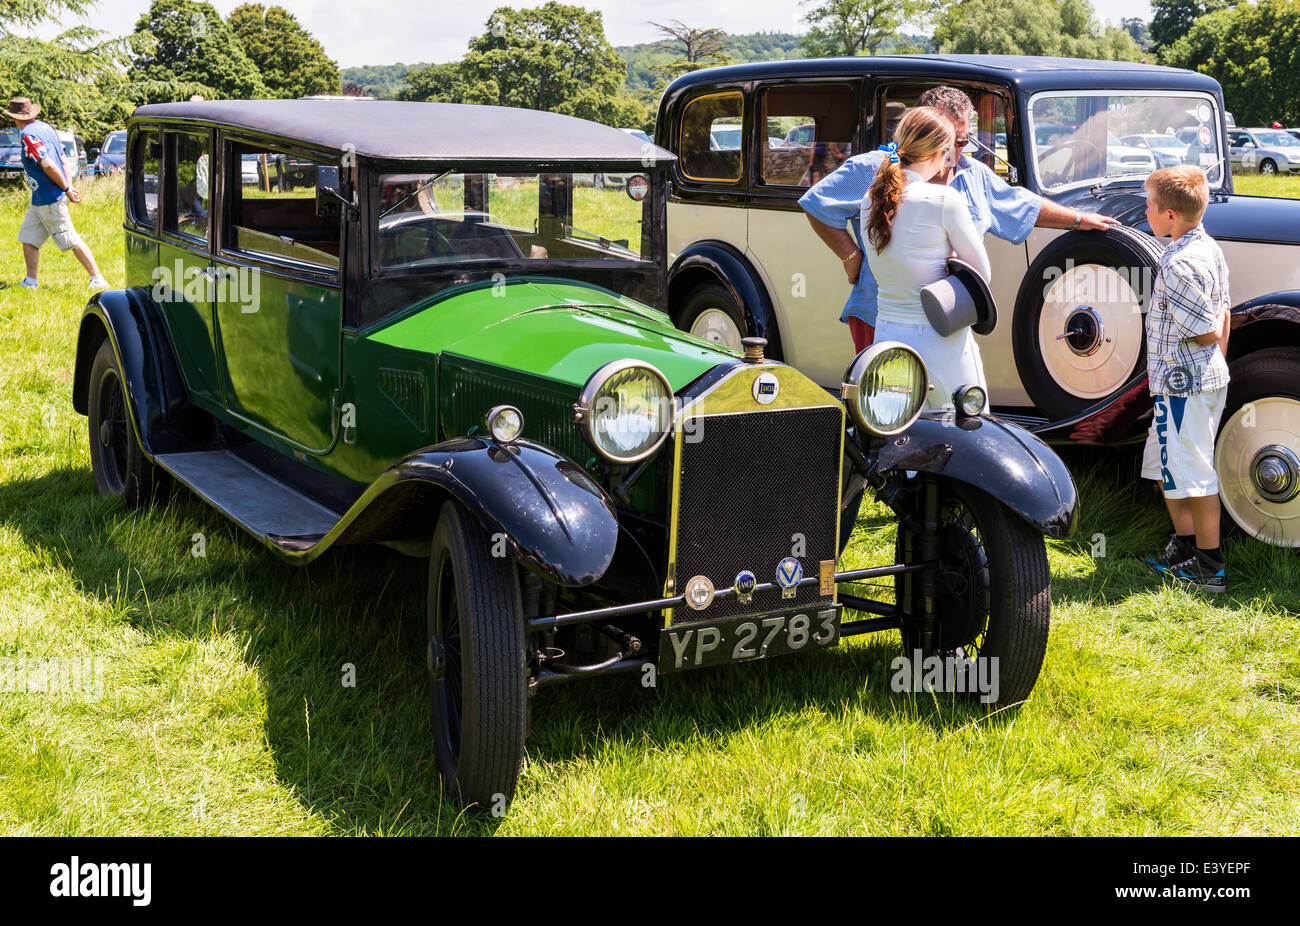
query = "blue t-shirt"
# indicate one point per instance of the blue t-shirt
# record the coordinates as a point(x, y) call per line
point(41, 141)
point(995, 206)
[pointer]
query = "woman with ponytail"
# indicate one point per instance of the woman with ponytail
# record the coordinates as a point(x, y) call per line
point(912, 227)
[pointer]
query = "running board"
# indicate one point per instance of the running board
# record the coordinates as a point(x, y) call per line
point(261, 504)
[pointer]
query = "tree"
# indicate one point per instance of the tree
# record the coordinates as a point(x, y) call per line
point(292, 63)
point(553, 57)
point(1138, 29)
point(1031, 27)
point(185, 42)
point(1251, 51)
point(698, 48)
point(1172, 19)
point(446, 83)
point(857, 27)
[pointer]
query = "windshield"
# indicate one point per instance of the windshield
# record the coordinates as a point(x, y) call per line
point(449, 217)
point(8, 138)
point(1077, 136)
point(1277, 140)
point(115, 143)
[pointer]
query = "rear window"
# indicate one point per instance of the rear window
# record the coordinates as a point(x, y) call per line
point(710, 138)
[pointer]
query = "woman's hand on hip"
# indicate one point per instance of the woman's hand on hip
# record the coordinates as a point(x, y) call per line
point(853, 267)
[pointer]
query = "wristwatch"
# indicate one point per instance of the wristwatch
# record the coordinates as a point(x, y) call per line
point(1078, 219)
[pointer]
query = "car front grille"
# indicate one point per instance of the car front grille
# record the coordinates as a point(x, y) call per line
point(750, 483)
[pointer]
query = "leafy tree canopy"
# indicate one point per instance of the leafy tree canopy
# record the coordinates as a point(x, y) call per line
point(187, 42)
point(292, 63)
point(1067, 28)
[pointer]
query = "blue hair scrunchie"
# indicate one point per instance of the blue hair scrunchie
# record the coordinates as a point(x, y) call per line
point(892, 150)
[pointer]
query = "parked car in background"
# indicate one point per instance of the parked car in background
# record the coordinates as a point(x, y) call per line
point(1167, 149)
point(1067, 355)
point(75, 158)
point(1295, 132)
point(112, 157)
point(1265, 151)
point(473, 371)
point(639, 134)
point(11, 153)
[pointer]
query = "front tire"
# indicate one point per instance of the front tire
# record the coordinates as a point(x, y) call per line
point(478, 678)
point(1267, 168)
point(117, 460)
point(711, 312)
point(993, 592)
point(1257, 451)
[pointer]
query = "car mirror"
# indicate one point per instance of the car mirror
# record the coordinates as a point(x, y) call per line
point(1248, 144)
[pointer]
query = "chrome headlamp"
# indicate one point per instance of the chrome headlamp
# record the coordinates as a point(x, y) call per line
point(625, 410)
point(885, 388)
point(970, 400)
point(505, 423)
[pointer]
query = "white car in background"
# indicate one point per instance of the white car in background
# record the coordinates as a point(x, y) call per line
point(1167, 149)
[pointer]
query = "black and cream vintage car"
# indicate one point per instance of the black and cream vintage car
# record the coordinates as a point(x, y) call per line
point(1067, 356)
point(439, 338)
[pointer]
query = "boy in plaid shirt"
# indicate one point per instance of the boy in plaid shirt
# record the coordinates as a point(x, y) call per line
point(1187, 337)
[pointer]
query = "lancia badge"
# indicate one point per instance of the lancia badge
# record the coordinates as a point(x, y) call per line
point(745, 584)
point(766, 388)
point(788, 575)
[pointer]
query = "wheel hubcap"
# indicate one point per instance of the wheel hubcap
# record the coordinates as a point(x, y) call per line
point(717, 326)
point(1257, 458)
point(106, 433)
point(1275, 471)
point(1090, 330)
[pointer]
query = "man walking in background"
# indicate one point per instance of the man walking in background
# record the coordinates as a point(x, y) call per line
point(47, 178)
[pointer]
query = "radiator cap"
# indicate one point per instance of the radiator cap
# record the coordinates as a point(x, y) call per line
point(754, 349)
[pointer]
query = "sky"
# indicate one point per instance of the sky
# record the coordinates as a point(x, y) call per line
point(389, 31)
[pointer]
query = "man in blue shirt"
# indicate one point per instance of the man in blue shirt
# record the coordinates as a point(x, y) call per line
point(48, 180)
point(1009, 212)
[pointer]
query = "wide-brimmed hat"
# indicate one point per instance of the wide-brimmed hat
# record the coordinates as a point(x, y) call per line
point(961, 298)
point(21, 107)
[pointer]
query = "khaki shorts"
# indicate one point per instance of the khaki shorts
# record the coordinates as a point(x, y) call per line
point(52, 221)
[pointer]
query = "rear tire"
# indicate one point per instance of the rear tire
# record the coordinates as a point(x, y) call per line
point(1267, 168)
point(993, 592)
point(117, 460)
point(478, 677)
point(1266, 383)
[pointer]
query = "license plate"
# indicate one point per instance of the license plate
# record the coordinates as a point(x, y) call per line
point(740, 639)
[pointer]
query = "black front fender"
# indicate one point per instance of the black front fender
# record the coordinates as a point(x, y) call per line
point(1006, 461)
point(549, 514)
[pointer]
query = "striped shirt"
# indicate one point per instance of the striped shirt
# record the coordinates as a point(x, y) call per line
point(1190, 292)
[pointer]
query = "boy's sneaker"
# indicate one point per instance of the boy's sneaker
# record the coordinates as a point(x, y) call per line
point(1176, 553)
point(29, 282)
point(98, 282)
point(1201, 573)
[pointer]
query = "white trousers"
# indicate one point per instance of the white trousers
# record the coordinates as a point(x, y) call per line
point(952, 362)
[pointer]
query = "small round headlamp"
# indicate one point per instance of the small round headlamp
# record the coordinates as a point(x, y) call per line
point(970, 400)
point(885, 388)
point(505, 423)
point(625, 410)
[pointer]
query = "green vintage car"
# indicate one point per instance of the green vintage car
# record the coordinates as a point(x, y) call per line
point(446, 343)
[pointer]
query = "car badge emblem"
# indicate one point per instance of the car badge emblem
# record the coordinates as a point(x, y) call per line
point(788, 575)
point(766, 388)
point(745, 584)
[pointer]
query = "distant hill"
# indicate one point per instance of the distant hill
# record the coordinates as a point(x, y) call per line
point(386, 80)
point(379, 80)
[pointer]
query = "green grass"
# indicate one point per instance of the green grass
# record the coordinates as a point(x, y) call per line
point(1158, 712)
point(1287, 186)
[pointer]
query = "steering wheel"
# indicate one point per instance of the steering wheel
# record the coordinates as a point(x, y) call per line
point(1069, 171)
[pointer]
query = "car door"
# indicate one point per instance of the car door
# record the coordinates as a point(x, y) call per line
point(181, 284)
point(280, 302)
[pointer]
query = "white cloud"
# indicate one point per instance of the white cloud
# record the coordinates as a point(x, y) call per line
point(388, 31)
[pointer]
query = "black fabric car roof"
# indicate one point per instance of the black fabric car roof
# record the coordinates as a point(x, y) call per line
point(421, 131)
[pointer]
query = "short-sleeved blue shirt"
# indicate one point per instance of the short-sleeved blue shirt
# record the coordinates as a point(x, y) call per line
point(995, 206)
point(40, 141)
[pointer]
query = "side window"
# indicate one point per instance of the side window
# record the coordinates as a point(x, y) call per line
point(144, 178)
point(189, 185)
point(710, 138)
point(809, 132)
point(991, 126)
point(275, 210)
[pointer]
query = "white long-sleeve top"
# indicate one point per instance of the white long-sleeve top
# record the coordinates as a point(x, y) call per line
point(931, 225)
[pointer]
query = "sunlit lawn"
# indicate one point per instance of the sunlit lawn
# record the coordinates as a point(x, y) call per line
point(223, 708)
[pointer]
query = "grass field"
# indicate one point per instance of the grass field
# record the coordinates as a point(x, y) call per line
point(223, 709)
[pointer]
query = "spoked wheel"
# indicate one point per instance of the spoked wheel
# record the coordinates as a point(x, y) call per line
point(1257, 452)
point(1267, 168)
point(478, 680)
point(992, 595)
point(116, 457)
